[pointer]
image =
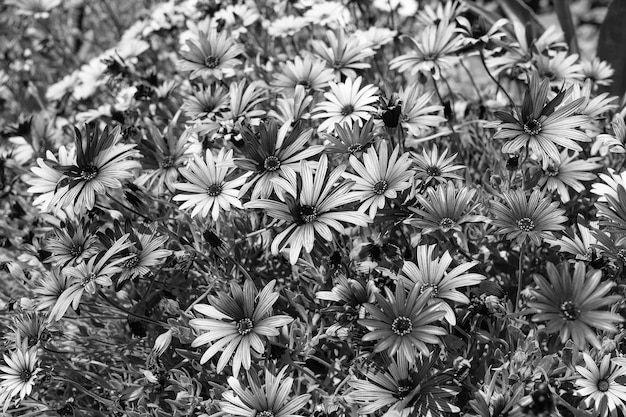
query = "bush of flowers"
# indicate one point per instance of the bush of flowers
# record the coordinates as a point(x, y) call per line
point(310, 208)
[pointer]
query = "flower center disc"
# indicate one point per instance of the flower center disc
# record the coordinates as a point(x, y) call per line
point(402, 326)
point(167, 162)
point(308, 214)
point(569, 311)
point(305, 83)
point(434, 287)
point(76, 250)
point(380, 187)
point(446, 223)
point(25, 375)
point(533, 127)
point(130, 263)
point(265, 413)
point(211, 61)
point(245, 326)
point(214, 190)
point(347, 109)
point(272, 163)
point(433, 171)
point(552, 171)
point(89, 173)
point(354, 148)
point(603, 385)
point(526, 224)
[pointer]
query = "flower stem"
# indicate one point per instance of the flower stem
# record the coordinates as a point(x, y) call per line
point(482, 59)
point(520, 276)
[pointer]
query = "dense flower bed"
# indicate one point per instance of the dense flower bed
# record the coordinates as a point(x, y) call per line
point(308, 208)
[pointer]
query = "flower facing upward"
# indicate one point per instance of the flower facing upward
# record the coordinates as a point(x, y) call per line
point(600, 387)
point(347, 103)
point(310, 207)
point(237, 323)
point(540, 127)
point(351, 139)
point(379, 177)
point(268, 400)
point(207, 189)
point(527, 218)
point(429, 271)
point(567, 172)
point(18, 374)
point(74, 243)
point(433, 167)
point(416, 114)
point(404, 324)
point(569, 304)
point(210, 54)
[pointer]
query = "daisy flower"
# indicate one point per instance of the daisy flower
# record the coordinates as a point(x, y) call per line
point(268, 400)
point(611, 246)
point(351, 139)
point(46, 177)
point(599, 72)
point(524, 218)
point(210, 54)
point(310, 207)
point(379, 177)
point(207, 189)
point(331, 14)
point(404, 8)
point(431, 52)
point(599, 385)
point(581, 244)
point(433, 167)
point(609, 184)
point(560, 68)
point(614, 211)
point(206, 102)
point(376, 37)
point(343, 53)
point(614, 143)
point(274, 152)
point(294, 108)
point(101, 164)
point(237, 323)
point(309, 72)
point(407, 388)
point(416, 114)
point(446, 208)
point(570, 304)
point(540, 127)
point(287, 26)
point(50, 287)
point(567, 173)
point(404, 324)
point(73, 243)
point(18, 374)
point(429, 272)
point(347, 103)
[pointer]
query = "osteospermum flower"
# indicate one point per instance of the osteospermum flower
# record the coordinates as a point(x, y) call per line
point(430, 272)
point(343, 53)
point(416, 114)
point(539, 127)
point(379, 177)
point(101, 164)
point(268, 400)
point(210, 54)
point(570, 304)
point(607, 142)
point(600, 387)
point(206, 102)
point(567, 172)
point(404, 324)
point(237, 324)
point(311, 207)
point(207, 189)
point(47, 177)
point(435, 167)
point(73, 243)
point(18, 374)
point(351, 139)
point(527, 218)
point(560, 68)
point(347, 103)
point(408, 388)
point(446, 208)
point(581, 244)
point(599, 72)
point(309, 72)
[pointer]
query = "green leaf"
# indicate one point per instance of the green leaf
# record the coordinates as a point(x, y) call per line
point(564, 13)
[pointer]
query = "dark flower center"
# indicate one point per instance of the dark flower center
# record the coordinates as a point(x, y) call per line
point(433, 171)
point(245, 326)
point(380, 187)
point(402, 325)
point(305, 83)
point(347, 110)
point(552, 171)
point(569, 311)
point(404, 387)
point(434, 287)
point(167, 162)
point(86, 280)
point(214, 190)
point(621, 254)
point(211, 61)
point(132, 262)
point(603, 385)
point(76, 250)
point(354, 148)
point(25, 375)
point(88, 173)
point(533, 127)
point(272, 163)
point(265, 413)
point(549, 74)
point(308, 214)
point(526, 224)
point(446, 223)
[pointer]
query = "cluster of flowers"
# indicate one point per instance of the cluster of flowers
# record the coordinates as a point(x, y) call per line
point(318, 208)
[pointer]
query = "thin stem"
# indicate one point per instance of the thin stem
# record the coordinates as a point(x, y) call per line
point(482, 59)
point(450, 125)
point(469, 74)
point(520, 276)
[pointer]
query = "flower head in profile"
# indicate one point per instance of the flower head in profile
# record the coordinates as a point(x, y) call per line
point(379, 177)
point(445, 208)
point(351, 139)
point(567, 172)
point(46, 178)
point(431, 272)
point(540, 127)
point(273, 152)
point(570, 304)
point(263, 400)
point(308, 72)
point(524, 218)
point(207, 190)
point(582, 244)
point(417, 114)
point(407, 388)
point(613, 142)
point(404, 324)
point(347, 103)
point(598, 71)
point(18, 374)
point(600, 387)
point(343, 53)
point(102, 163)
point(311, 206)
point(210, 54)
point(237, 324)
point(206, 102)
